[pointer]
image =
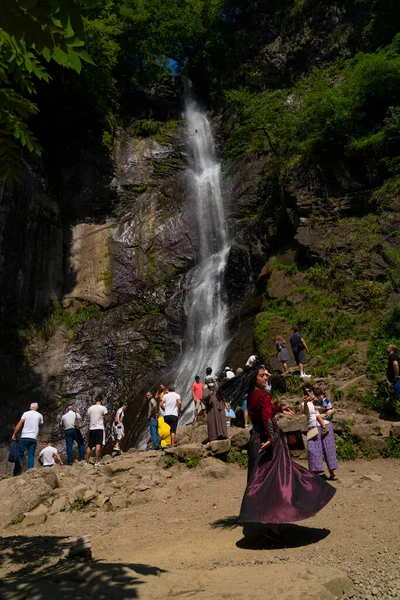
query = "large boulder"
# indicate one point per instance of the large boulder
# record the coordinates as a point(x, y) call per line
point(240, 438)
point(190, 451)
point(22, 494)
point(218, 447)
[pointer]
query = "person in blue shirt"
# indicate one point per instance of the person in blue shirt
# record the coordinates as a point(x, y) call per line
point(324, 408)
point(299, 347)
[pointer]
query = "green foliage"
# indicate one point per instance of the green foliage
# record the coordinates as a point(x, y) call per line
point(17, 520)
point(237, 457)
point(70, 318)
point(386, 332)
point(347, 446)
point(392, 449)
point(334, 359)
point(381, 398)
point(192, 461)
point(170, 461)
point(349, 107)
point(31, 33)
point(78, 504)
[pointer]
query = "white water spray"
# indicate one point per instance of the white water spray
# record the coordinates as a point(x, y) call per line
point(206, 336)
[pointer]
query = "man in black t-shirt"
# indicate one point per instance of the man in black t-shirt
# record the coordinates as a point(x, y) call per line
point(392, 371)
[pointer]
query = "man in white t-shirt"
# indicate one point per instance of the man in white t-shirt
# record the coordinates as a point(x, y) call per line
point(47, 455)
point(30, 422)
point(251, 361)
point(97, 417)
point(71, 423)
point(171, 404)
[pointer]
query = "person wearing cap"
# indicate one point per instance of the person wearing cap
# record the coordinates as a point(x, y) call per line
point(71, 422)
point(31, 422)
point(197, 393)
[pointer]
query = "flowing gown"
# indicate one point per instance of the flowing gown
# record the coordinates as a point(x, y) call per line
point(278, 490)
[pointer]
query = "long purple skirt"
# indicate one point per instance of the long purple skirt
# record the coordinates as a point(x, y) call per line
point(322, 446)
point(278, 490)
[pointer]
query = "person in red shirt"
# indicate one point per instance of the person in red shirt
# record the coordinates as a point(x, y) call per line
point(197, 393)
point(278, 490)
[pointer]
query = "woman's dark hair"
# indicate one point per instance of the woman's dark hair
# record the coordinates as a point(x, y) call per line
point(234, 389)
point(306, 387)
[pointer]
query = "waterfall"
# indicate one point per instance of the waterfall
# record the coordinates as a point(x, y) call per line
point(205, 306)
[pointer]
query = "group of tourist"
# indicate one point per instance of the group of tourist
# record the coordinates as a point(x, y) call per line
point(32, 421)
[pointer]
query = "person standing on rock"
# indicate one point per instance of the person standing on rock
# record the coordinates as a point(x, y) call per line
point(159, 395)
point(278, 490)
point(118, 431)
point(283, 353)
point(392, 372)
point(71, 423)
point(215, 408)
point(152, 415)
point(197, 394)
point(171, 404)
point(31, 422)
point(97, 417)
point(299, 345)
point(210, 378)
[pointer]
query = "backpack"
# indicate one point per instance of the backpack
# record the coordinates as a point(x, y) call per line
point(14, 452)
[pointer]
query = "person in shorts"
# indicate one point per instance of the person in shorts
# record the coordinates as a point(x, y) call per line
point(118, 431)
point(197, 394)
point(171, 404)
point(97, 417)
point(299, 347)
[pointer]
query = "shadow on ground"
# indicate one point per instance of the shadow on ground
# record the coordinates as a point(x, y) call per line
point(256, 535)
point(38, 575)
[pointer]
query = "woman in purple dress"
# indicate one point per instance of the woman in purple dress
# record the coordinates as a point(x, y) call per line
point(278, 490)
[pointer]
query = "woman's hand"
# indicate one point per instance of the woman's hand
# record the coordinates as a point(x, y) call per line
point(264, 446)
point(287, 411)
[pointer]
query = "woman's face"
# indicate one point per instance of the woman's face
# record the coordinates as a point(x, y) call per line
point(261, 379)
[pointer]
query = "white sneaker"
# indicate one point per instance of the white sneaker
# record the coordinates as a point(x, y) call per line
point(228, 424)
point(304, 376)
point(100, 464)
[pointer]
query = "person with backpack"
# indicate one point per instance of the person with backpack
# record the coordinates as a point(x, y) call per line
point(299, 347)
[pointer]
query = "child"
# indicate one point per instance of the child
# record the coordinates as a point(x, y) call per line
point(324, 408)
point(229, 414)
point(46, 456)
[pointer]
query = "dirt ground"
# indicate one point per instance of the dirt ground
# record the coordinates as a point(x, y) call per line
point(186, 543)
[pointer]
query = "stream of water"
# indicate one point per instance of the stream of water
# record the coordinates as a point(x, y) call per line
point(206, 337)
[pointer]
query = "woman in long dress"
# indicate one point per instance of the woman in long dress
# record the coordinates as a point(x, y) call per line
point(321, 446)
point(215, 408)
point(278, 490)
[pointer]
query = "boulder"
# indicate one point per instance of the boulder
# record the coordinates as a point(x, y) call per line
point(119, 501)
point(280, 284)
point(218, 447)
point(101, 500)
point(59, 505)
point(22, 494)
point(191, 451)
point(89, 495)
point(240, 438)
point(212, 467)
point(33, 519)
point(76, 492)
point(124, 464)
point(395, 429)
point(296, 423)
point(41, 509)
point(315, 360)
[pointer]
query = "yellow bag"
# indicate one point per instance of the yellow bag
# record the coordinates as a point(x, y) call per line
point(164, 431)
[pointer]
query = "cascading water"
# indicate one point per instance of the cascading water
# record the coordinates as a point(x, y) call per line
point(206, 309)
